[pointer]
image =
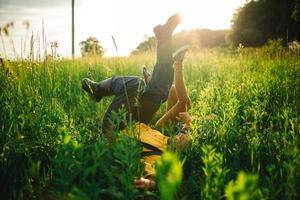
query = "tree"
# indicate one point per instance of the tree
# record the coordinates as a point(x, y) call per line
point(90, 47)
point(296, 11)
point(148, 45)
point(260, 20)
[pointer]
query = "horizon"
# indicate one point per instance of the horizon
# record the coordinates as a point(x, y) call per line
point(124, 20)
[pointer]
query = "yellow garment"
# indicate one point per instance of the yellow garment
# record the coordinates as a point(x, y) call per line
point(154, 138)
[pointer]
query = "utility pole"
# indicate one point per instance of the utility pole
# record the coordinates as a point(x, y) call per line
point(73, 39)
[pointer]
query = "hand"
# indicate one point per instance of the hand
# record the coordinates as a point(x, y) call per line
point(144, 183)
point(181, 140)
point(186, 117)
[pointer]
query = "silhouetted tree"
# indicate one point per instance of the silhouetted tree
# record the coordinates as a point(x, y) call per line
point(296, 11)
point(148, 45)
point(260, 20)
point(91, 46)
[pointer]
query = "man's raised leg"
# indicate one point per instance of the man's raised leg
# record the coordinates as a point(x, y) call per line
point(157, 90)
point(162, 76)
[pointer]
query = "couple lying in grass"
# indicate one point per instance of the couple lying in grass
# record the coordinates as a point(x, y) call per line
point(150, 93)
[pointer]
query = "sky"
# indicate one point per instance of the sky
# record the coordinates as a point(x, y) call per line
point(128, 21)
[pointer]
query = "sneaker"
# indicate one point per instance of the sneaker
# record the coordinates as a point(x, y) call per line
point(180, 53)
point(146, 74)
point(162, 31)
point(91, 88)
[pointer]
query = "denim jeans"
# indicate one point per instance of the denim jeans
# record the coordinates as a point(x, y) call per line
point(141, 101)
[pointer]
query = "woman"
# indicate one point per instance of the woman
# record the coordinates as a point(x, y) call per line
point(155, 143)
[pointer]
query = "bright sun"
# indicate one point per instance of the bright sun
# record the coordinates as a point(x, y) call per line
point(213, 14)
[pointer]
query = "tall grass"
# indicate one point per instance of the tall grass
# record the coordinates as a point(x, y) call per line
point(245, 108)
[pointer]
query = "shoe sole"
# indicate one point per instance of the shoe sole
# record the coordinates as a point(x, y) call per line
point(180, 53)
point(145, 73)
point(87, 88)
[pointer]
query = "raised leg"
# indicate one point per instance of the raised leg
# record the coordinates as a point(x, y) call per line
point(157, 90)
point(162, 75)
point(183, 102)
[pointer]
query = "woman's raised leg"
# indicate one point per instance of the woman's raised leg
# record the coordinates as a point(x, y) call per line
point(183, 102)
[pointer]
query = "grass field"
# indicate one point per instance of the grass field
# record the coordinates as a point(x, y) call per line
point(245, 140)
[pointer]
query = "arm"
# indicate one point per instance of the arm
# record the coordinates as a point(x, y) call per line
point(187, 119)
point(145, 183)
point(182, 137)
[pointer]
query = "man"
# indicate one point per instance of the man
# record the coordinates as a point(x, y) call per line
point(141, 100)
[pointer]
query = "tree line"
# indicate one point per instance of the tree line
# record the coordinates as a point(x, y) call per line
point(198, 38)
point(258, 21)
point(252, 25)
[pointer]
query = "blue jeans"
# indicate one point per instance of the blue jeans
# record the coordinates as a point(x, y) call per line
point(141, 101)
